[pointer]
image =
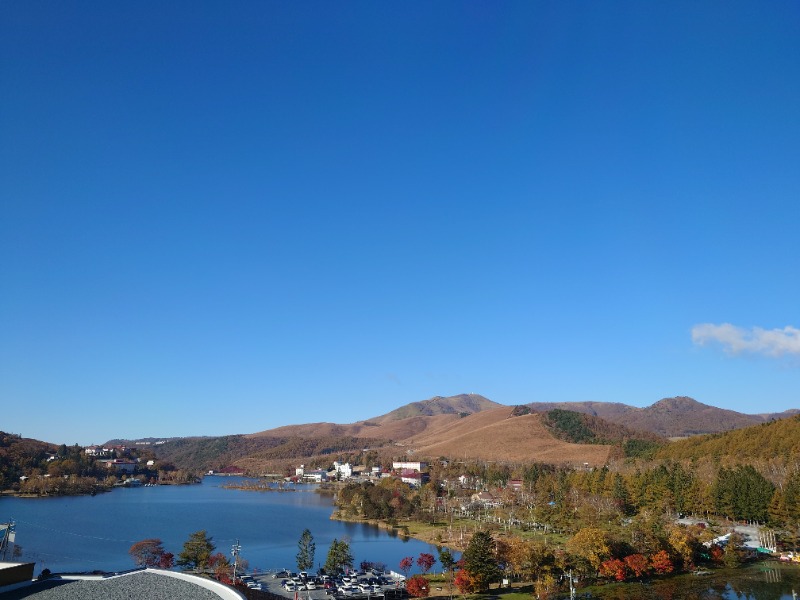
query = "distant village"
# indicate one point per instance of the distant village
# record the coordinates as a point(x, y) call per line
point(413, 473)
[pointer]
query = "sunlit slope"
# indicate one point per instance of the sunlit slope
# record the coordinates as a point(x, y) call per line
point(776, 440)
point(496, 435)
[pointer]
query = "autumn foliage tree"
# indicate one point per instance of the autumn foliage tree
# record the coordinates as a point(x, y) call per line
point(613, 568)
point(591, 544)
point(151, 553)
point(637, 564)
point(406, 564)
point(425, 561)
point(464, 582)
point(662, 563)
point(221, 567)
point(418, 586)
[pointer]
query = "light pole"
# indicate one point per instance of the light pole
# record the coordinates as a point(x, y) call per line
point(235, 552)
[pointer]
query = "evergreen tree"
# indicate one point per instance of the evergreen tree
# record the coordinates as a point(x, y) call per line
point(480, 562)
point(743, 493)
point(305, 552)
point(620, 495)
point(196, 551)
point(339, 557)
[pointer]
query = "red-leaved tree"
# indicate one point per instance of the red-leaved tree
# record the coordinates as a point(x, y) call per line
point(613, 568)
point(418, 586)
point(167, 560)
point(716, 553)
point(406, 564)
point(219, 564)
point(637, 564)
point(662, 563)
point(464, 582)
point(426, 561)
point(150, 553)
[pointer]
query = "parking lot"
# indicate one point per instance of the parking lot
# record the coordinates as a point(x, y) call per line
point(272, 582)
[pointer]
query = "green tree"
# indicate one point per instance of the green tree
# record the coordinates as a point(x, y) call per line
point(305, 552)
point(339, 557)
point(731, 556)
point(448, 562)
point(480, 562)
point(196, 551)
point(743, 493)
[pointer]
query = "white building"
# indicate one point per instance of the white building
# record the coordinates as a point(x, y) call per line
point(343, 470)
point(316, 476)
point(410, 466)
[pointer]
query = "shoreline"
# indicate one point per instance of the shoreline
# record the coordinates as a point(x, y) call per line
point(406, 531)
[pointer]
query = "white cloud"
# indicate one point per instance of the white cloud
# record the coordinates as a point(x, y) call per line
point(737, 340)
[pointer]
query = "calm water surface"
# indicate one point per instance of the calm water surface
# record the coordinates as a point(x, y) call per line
point(762, 581)
point(85, 533)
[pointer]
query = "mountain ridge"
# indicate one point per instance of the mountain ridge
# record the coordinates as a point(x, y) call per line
point(469, 426)
point(678, 416)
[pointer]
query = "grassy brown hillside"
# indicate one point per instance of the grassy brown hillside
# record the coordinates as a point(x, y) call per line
point(497, 435)
point(768, 441)
point(462, 404)
point(389, 430)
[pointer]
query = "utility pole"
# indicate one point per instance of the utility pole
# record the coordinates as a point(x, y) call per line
point(235, 551)
point(9, 534)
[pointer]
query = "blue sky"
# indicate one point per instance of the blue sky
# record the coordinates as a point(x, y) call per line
point(221, 218)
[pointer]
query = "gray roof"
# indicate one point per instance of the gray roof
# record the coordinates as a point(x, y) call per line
point(144, 584)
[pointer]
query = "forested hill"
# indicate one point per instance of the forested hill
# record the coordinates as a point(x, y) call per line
point(778, 439)
point(581, 428)
point(670, 417)
point(18, 455)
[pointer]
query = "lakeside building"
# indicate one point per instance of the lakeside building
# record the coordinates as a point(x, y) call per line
point(343, 470)
point(120, 465)
point(410, 466)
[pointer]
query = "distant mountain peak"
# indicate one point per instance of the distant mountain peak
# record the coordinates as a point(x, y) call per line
point(681, 403)
point(677, 416)
point(440, 405)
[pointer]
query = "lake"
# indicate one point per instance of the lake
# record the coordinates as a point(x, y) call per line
point(86, 533)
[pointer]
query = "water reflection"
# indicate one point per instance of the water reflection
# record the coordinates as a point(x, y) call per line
point(765, 581)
